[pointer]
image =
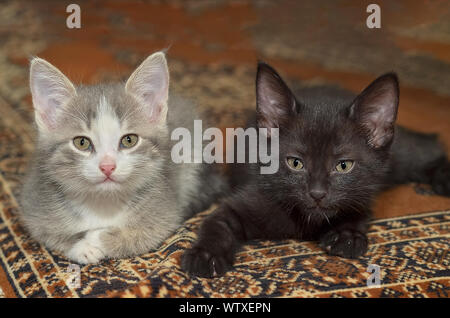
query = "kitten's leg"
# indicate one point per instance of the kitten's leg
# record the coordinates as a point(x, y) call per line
point(219, 238)
point(122, 242)
point(81, 247)
point(87, 249)
point(348, 239)
point(114, 242)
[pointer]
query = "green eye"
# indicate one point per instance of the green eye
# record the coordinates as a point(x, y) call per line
point(344, 166)
point(295, 163)
point(82, 143)
point(128, 141)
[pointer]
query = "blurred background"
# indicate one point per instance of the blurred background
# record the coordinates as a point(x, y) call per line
point(213, 47)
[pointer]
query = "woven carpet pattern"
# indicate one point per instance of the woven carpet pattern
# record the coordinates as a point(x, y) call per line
point(214, 46)
point(411, 252)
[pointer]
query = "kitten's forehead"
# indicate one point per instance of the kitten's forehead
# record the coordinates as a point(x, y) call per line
point(319, 121)
point(322, 129)
point(99, 98)
point(105, 124)
point(98, 106)
point(105, 118)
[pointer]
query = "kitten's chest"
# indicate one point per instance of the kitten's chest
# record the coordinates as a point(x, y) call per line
point(306, 227)
point(90, 216)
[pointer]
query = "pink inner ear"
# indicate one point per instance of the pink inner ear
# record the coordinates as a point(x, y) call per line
point(151, 109)
point(154, 106)
point(48, 102)
point(148, 98)
point(155, 113)
point(48, 118)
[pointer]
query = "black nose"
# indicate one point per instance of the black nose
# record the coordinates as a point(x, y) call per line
point(317, 194)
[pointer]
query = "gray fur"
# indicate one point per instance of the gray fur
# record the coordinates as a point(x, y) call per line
point(67, 213)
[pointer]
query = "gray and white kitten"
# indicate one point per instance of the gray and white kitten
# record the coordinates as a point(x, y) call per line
point(101, 183)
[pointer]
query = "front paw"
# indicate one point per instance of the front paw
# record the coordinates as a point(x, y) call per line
point(345, 243)
point(199, 262)
point(88, 250)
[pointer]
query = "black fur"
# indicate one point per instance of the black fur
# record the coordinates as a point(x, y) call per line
point(318, 203)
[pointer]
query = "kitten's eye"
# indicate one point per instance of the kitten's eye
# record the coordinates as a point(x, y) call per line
point(82, 143)
point(295, 163)
point(344, 166)
point(128, 141)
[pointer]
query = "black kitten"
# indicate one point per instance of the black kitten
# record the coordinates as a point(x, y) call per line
point(335, 156)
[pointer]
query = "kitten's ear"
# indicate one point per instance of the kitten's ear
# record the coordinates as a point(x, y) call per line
point(149, 84)
point(50, 91)
point(275, 102)
point(375, 109)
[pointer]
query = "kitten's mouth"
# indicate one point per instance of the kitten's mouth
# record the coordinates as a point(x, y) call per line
point(108, 184)
point(108, 180)
point(320, 210)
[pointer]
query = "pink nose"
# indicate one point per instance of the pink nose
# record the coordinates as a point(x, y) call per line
point(107, 168)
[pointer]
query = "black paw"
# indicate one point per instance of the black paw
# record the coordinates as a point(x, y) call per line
point(441, 180)
point(345, 243)
point(199, 262)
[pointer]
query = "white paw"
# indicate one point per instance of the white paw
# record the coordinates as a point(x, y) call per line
point(87, 250)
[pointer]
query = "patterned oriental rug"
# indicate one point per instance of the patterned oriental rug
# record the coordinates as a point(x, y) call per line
point(215, 65)
point(411, 254)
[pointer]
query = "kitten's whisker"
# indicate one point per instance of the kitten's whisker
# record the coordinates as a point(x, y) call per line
point(326, 217)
